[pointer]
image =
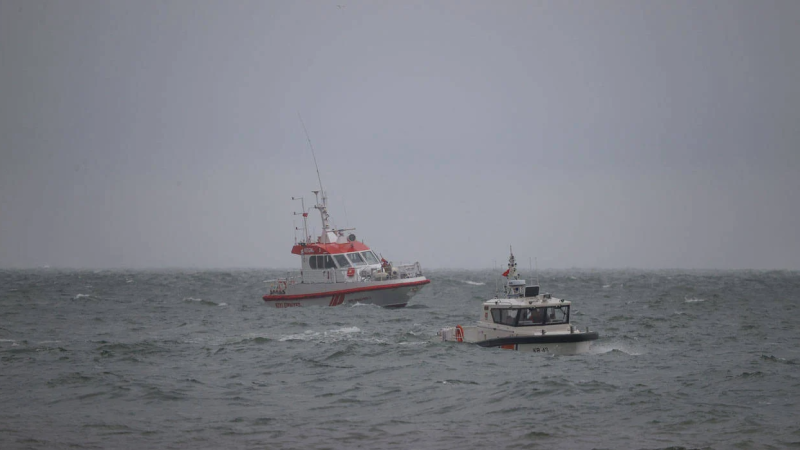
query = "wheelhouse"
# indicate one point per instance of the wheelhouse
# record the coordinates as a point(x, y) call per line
point(340, 260)
point(529, 316)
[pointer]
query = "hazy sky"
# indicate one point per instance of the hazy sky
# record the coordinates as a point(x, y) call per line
point(592, 134)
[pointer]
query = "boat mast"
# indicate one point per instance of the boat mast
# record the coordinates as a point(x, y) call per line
point(323, 207)
point(512, 265)
point(306, 237)
point(308, 138)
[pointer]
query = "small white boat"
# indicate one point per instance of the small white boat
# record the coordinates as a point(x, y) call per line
point(522, 319)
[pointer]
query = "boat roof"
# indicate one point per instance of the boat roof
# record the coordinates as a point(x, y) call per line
point(526, 302)
point(318, 248)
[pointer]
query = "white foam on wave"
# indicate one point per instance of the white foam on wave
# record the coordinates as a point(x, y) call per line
point(346, 330)
point(693, 299)
point(473, 283)
point(79, 296)
point(329, 335)
point(599, 349)
point(606, 286)
point(223, 304)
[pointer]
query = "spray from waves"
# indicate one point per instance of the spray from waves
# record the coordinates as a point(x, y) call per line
point(200, 301)
point(80, 296)
point(473, 283)
point(600, 348)
point(693, 299)
point(339, 334)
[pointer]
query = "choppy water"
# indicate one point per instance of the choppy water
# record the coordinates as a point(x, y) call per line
point(197, 360)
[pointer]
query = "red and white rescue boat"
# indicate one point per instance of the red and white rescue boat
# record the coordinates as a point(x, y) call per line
point(336, 269)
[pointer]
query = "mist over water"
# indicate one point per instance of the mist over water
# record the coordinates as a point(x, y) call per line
point(177, 359)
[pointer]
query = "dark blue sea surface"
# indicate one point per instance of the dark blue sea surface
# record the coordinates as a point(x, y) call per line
point(195, 359)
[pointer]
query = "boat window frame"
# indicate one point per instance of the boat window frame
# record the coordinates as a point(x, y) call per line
point(537, 315)
point(500, 316)
point(342, 264)
point(545, 312)
point(321, 262)
point(564, 320)
point(352, 256)
point(370, 254)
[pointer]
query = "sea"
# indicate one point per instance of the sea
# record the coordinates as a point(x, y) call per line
point(192, 359)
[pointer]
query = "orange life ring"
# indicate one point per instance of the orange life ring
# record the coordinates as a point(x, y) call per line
point(351, 271)
point(459, 333)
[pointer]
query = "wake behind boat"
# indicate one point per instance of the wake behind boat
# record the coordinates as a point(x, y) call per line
point(336, 269)
point(522, 319)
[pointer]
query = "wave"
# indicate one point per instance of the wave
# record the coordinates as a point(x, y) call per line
point(473, 283)
point(327, 336)
point(202, 302)
point(693, 299)
point(613, 347)
point(251, 339)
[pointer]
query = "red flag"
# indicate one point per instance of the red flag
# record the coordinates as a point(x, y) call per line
point(305, 214)
point(505, 274)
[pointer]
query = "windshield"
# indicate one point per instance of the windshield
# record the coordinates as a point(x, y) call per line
point(526, 317)
point(544, 316)
point(370, 257)
point(342, 261)
point(356, 259)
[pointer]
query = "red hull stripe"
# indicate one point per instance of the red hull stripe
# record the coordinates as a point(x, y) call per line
point(272, 298)
point(337, 300)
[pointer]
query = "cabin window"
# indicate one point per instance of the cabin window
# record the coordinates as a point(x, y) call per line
point(541, 316)
point(557, 314)
point(356, 259)
point(342, 261)
point(532, 316)
point(505, 316)
point(370, 257)
point(321, 262)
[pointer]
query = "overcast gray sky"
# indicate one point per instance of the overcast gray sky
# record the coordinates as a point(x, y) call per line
point(592, 134)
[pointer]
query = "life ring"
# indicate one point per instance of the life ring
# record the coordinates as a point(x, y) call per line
point(459, 333)
point(351, 271)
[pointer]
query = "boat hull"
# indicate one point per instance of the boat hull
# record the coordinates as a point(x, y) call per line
point(388, 294)
point(557, 344)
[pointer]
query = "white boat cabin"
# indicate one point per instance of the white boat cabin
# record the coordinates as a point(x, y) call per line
point(516, 315)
